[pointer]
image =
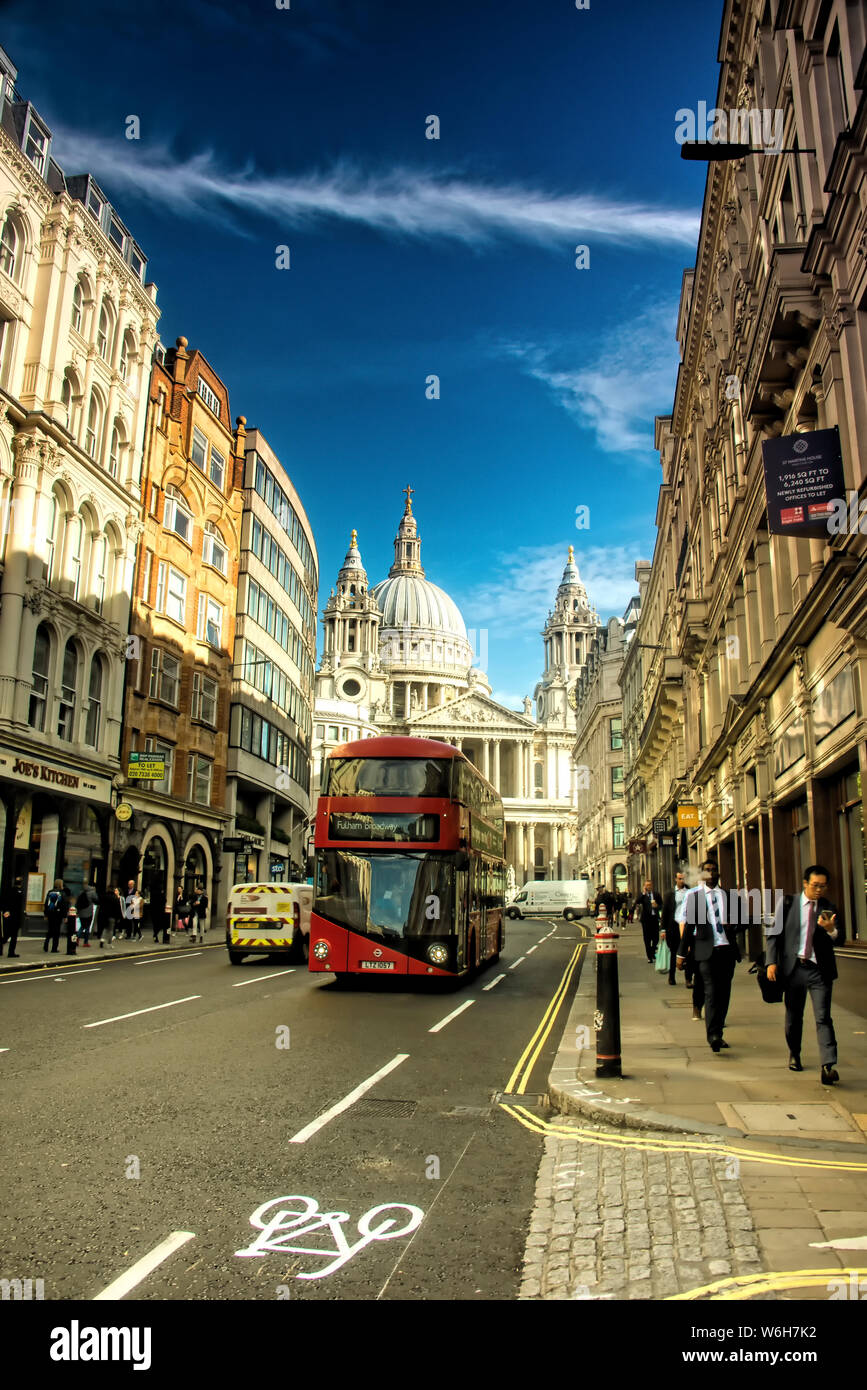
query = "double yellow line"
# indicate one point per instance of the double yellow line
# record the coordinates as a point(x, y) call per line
point(753, 1285)
point(530, 1055)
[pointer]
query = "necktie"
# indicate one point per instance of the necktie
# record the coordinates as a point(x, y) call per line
point(811, 927)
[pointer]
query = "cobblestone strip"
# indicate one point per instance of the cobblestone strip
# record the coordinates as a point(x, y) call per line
point(627, 1223)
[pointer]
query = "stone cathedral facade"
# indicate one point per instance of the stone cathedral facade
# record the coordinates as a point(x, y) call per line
point(397, 659)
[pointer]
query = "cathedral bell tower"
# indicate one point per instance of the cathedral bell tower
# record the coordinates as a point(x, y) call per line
point(351, 617)
point(569, 629)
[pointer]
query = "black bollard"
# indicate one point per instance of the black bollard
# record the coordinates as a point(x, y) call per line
point(607, 1021)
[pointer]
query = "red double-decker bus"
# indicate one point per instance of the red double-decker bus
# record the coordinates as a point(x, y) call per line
point(410, 862)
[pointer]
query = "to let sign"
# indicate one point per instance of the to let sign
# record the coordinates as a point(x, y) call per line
point(803, 479)
point(144, 767)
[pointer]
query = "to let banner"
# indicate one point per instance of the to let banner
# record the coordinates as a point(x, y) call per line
point(804, 483)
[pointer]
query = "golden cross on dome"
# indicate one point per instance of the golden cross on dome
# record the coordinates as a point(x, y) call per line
point(409, 491)
point(354, 540)
point(571, 554)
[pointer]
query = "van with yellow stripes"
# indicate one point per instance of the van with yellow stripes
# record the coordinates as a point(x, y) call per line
point(269, 919)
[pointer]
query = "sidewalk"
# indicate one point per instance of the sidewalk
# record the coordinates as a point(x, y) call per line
point(31, 954)
point(671, 1079)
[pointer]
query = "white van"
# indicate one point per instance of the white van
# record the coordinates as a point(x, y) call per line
point(553, 897)
point(269, 919)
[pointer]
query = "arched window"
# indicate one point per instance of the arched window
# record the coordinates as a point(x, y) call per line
point(68, 685)
point(127, 355)
point(114, 451)
point(98, 565)
point(74, 539)
point(77, 307)
point(94, 426)
point(94, 707)
point(213, 549)
point(52, 526)
point(10, 244)
point(39, 688)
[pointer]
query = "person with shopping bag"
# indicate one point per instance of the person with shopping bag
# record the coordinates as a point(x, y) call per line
point(670, 928)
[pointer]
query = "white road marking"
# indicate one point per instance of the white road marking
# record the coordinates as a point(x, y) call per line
point(304, 1134)
point(494, 982)
point(264, 977)
point(145, 1266)
point(448, 1018)
point(118, 1018)
point(91, 970)
point(517, 962)
point(845, 1243)
point(4, 1049)
point(160, 959)
point(531, 949)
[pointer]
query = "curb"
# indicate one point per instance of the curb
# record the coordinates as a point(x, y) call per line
point(76, 962)
point(570, 1083)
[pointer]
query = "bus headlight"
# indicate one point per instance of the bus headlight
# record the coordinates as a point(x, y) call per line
point(438, 953)
point(320, 950)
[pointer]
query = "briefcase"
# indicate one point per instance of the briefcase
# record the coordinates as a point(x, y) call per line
point(772, 990)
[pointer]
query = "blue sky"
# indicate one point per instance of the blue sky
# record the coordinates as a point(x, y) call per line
point(409, 256)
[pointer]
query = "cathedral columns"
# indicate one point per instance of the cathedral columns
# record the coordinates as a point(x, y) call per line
point(531, 851)
point(486, 759)
point(497, 765)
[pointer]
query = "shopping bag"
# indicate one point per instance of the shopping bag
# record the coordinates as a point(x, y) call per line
point(663, 958)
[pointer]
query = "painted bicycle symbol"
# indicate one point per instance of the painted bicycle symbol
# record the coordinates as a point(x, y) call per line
point(281, 1224)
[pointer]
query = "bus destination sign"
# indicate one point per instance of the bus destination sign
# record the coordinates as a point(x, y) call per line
point(393, 826)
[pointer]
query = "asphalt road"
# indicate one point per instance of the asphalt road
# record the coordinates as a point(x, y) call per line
point(120, 1132)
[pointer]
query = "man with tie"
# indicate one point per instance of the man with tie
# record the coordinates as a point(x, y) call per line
point(704, 918)
point(800, 946)
point(649, 904)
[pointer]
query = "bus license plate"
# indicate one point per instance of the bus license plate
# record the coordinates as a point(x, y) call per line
point(376, 964)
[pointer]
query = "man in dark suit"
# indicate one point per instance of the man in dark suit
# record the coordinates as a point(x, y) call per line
point(706, 928)
point(670, 928)
point(801, 947)
point(13, 911)
point(650, 905)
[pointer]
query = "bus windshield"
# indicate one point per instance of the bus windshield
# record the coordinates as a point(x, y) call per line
point(388, 896)
point(414, 777)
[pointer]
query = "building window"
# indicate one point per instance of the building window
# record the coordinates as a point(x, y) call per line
point(199, 451)
point(171, 593)
point(333, 732)
point(94, 427)
point(207, 395)
point(147, 564)
point(39, 690)
point(114, 452)
point(127, 352)
point(102, 333)
point(204, 699)
point(176, 515)
point(35, 145)
point(617, 780)
point(94, 707)
point(167, 753)
point(165, 683)
point(155, 500)
point(95, 204)
point(320, 731)
point(616, 727)
point(75, 535)
point(99, 557)
point(69, 680)
point(9, 248)
point(199, 775)
point(618, 831)
point(213, 550)
point(77, 306)
point(209, 627)
point(51, 527)
point(218, 467)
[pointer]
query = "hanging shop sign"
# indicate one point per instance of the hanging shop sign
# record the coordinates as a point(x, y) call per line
point(687, 816)
point(804, 483)
point(123, 812)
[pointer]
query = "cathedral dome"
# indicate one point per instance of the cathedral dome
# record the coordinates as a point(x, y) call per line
point(406, 600)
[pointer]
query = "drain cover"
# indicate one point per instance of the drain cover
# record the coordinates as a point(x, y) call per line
point(776, 1119)
point(397, 1109)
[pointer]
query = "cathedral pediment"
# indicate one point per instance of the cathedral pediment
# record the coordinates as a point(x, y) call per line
point(470, 712)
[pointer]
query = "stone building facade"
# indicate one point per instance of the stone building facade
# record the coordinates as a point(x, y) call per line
point(182, 628)
point(752, 705)
point(600, 823)
point(77, 333)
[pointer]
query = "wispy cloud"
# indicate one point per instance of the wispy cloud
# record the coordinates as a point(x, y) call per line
point(628, 378)
point(400, 201)
point(523, 583)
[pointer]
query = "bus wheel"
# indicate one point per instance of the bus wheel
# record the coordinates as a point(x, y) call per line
point(235, 957)
point(569, 915)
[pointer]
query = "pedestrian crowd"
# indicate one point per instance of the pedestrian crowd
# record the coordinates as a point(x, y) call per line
point(701, 931)
point(108, 917)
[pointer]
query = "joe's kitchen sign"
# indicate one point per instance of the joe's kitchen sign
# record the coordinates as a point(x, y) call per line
point(49, 775)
